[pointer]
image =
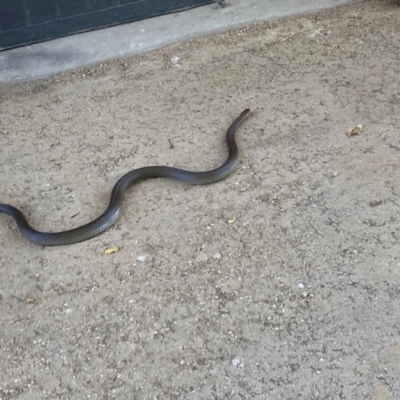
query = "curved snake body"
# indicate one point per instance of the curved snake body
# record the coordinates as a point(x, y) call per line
point(111, 214)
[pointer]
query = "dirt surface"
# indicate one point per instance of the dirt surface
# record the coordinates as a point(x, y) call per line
point(281, 282)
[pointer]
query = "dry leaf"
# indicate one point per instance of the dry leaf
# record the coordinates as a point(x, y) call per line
point(111, 250)
point(354, 131)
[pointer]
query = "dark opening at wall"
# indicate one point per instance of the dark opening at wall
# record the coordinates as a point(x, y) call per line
point(29, 21)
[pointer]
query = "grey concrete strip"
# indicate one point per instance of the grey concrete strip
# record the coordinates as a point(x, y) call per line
point(48, 58)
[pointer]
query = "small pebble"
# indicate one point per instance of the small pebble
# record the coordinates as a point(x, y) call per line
point(142, 258)
point(236, 362)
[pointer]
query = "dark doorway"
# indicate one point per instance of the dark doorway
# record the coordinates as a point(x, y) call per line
point(29, 21)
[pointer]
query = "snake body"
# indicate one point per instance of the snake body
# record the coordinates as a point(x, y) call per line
point(111, 214)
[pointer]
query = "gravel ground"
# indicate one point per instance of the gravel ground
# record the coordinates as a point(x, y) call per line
point(281, 282)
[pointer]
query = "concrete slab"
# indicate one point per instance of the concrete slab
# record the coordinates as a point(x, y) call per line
point(280, 282)
point(51, 57)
